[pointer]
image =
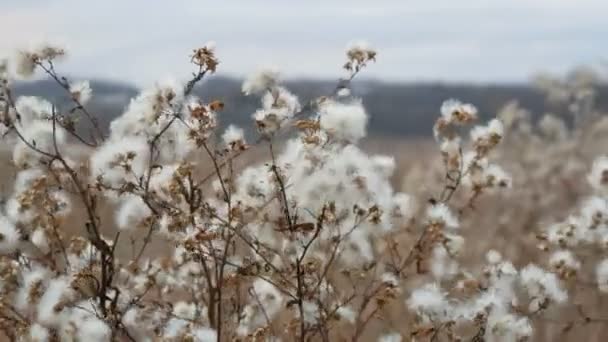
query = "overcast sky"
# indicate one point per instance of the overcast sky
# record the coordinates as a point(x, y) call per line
point(140, 41)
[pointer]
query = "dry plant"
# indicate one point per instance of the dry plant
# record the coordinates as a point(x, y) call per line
point(312, 244)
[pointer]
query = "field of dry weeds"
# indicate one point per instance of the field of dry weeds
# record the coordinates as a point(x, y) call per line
point(163, 229)
point(548, 182)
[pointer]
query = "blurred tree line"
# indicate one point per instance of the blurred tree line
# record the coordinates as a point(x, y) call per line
point(397, 109)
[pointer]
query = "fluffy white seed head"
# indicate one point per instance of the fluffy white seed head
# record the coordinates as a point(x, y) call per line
point(347, 314)
point(430, 301)
point(542, 285)
point(81, 92)
point(493, 257)
point(564, 260)
point(454, 111)
point(344, 121)
point(508, 327)
point(25, 60)
point(390, 337)
point(9, 236)
point(38, 333)
point(31, 108)
point(120, 161)
point(441, 214)
point(598, 177)
point(404, 207)
point(262, 80)
point(233, 135)
point(131, 213)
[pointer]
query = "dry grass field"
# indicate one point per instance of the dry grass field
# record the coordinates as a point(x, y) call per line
point(548, 183)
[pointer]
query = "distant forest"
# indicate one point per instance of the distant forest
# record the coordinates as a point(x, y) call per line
point(396, 109)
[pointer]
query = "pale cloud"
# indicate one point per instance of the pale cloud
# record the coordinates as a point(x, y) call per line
point(468, 40)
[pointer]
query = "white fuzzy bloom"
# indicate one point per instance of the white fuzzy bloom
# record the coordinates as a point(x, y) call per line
point(132, 321)
point(358, 249)
point(40, 135)
point(344, 121)
point(311, 312)
point(41, 241)
point(404, 206)
point(268, 121)
point(63, 203)
point(38, 333)
point(493, 257)
point(595, 211)
point(24, 63)
point(347, 313)
point(232, 135)
point(440, 214)
point(343, 92)
point(31, 278)
point(162, 179)
point(282, 101)
point(508, 327)
point(598, 177)
point(81, 324)
point(204, 335)
point(430, 301)
point(254, 185)
point(451, 150)
point(454, 111)
point(31, 108)
point(278, 106)
point(93, 329)
point(495, 298)
point(472, 160)
point(453, 244)
point(48, 51)
point(358, 47)
point(81, 91)
point(9, 236)
point(262, 80)
point(16, 213)
point(506, 268)
point(58, 290)
point(443, 267)
point(25, 179)
point(495, 176)
point(271, 301)
point(601, 273)
point(109, 161)
point(483, 135)
point(541, 285)
point(131, 213)
point(390, 337)
point(496, 127)
point(25, 60)
point(184, 310)
point(563, 233)
point(154, 111)
point(564, 259)
point(174, 328)
point(385, 165)
point(390, 279)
